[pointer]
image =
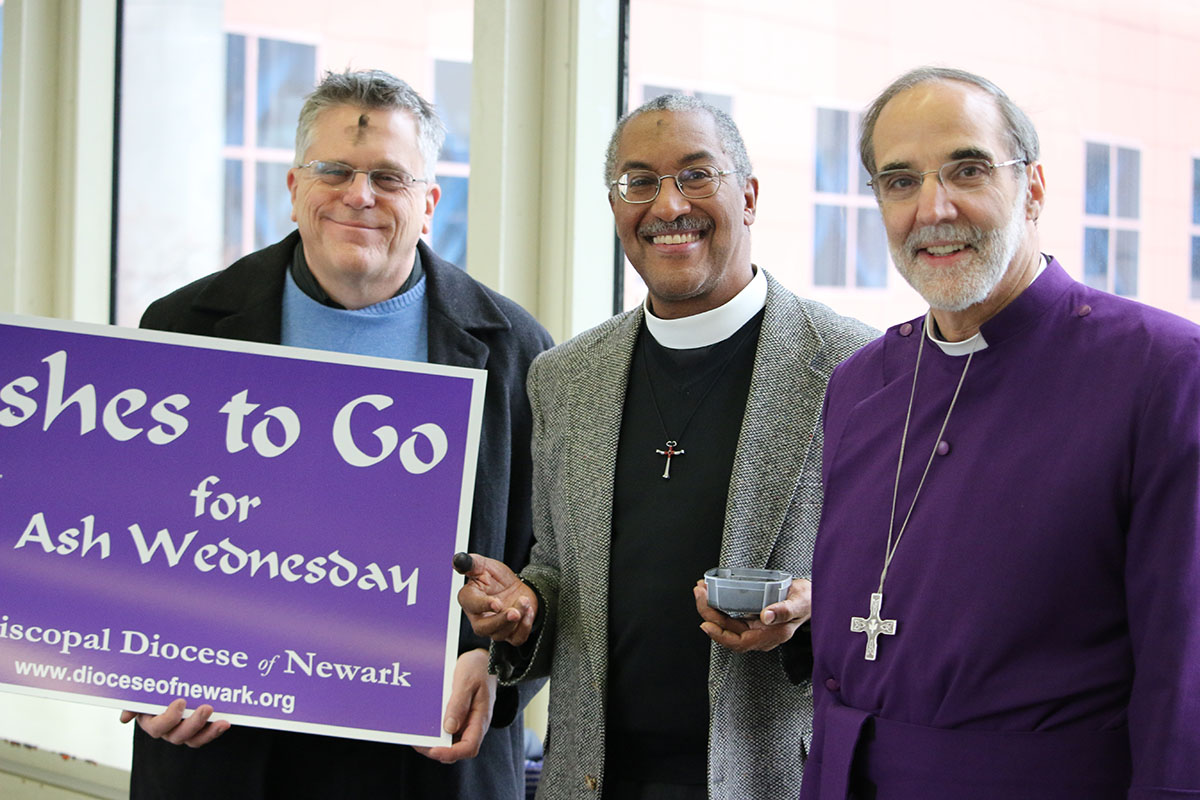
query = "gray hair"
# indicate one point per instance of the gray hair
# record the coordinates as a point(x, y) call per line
point(372, 89)
point(731, 139)
point(1022, 136)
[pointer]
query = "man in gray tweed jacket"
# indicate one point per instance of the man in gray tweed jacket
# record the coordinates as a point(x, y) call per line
point(677, 437)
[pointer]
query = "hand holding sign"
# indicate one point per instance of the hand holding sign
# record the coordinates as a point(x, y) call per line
point(171, 726)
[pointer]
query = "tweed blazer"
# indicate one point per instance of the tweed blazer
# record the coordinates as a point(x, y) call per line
point(760, 721)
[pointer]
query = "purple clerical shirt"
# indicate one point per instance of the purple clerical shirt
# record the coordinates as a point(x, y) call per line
point(1046, 591)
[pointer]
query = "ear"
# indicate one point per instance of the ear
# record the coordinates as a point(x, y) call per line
point(1035, 192)
point(750, 195)
point(291, 184)
point(432, 195)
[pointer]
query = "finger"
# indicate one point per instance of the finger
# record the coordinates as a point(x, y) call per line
point(796, 607)
point(491, 625)
point(473, 600)
point(471, 737)
point(127, 716)
point(725, 638)
point(720, 619)
point(209, 732)
point(458, 707)
point(156, 726)
point(463, 563)
point(190, 726)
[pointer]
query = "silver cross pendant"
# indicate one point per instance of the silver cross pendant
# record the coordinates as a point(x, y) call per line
point(873, 625)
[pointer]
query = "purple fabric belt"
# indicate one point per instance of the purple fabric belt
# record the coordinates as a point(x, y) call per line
point(886, 760)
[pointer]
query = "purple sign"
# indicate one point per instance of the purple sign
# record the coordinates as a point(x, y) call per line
point(264, 529)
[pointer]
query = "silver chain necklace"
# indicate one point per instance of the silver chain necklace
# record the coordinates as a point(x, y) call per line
point(874, 625)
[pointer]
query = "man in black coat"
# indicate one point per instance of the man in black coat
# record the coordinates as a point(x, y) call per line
point(358, 252)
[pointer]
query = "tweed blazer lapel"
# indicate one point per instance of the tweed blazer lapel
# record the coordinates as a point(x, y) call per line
point(778, 428)
point(787, 388)
point(595, 405)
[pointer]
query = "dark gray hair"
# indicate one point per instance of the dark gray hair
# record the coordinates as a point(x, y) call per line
point(1022, 136)
point(373, 89)
point(731, 139)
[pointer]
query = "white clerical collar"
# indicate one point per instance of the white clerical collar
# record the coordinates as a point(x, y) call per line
point(709, 327)
point(976, 342)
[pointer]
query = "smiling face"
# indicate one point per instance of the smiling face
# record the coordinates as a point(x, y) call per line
point(964, 250)
point(360, 244)
point(694, 255)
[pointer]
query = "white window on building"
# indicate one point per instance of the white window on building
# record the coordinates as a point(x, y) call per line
point(265, 84)
point(849, 243)
point(1112, 218)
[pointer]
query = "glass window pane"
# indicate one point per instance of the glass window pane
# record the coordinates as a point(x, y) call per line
point(1196, 267)
point(829, 246)
point(286, 72)
point(1196, 191)
point(234, 233)
point(1129, 181)
point(1125, 264)
point(650, 92)
point(1096, 192)
point(1095, 257)
point(862, 175)
point(449, 235)
point(833, 132)
point(272, 204)
point(870, 259)
point(235, 89)
point(452, 85)
point(721, 101)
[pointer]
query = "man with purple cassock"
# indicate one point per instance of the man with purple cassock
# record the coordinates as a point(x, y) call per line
point(1007, 574)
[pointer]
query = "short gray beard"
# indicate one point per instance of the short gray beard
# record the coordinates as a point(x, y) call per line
point(958, 288)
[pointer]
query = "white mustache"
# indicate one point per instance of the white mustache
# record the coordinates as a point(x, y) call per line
point(946, 232)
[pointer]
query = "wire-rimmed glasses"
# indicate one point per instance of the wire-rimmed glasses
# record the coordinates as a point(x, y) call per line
point(339, 176)
point(694, 183)
point(961, 175)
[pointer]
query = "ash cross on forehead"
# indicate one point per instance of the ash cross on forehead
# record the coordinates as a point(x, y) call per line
point(363, 121)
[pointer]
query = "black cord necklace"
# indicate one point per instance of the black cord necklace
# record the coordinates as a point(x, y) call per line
point(672, 444)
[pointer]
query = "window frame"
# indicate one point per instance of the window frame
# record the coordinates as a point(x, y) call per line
point(250, 153)
point(851, 202)
point(1111, 223)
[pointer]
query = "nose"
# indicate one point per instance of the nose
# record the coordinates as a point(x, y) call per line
point(670, 203)
point(359, 193)
point(934, 204)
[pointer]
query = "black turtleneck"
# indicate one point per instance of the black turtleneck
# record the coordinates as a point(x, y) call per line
point(666, 533)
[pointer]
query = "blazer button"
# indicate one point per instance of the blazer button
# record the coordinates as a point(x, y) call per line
point(591, 782)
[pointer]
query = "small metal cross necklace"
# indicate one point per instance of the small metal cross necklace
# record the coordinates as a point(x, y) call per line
point(672, 448)
point(874, 625)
